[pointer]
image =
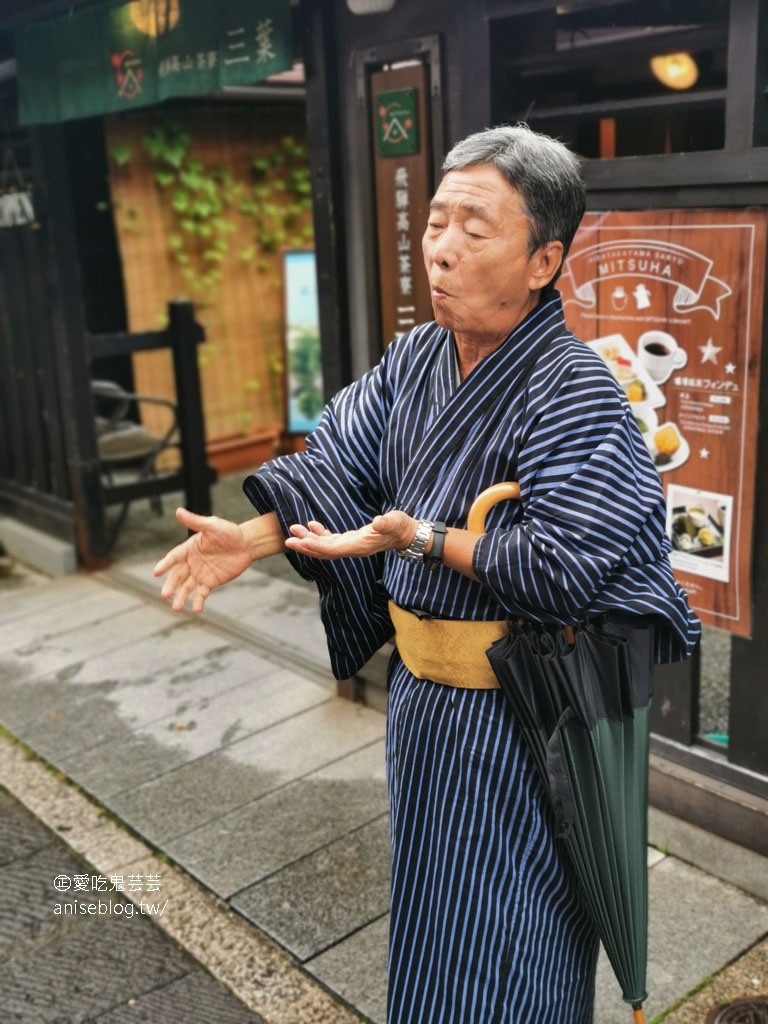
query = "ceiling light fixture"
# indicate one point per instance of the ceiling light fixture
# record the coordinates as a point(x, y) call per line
point(675, 70)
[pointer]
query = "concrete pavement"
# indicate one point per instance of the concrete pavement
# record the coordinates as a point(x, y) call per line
point(220, 743)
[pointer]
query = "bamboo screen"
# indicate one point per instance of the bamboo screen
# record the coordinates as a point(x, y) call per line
point(175, 242)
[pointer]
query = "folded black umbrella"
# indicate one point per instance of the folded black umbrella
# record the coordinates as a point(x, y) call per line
point(582, 698)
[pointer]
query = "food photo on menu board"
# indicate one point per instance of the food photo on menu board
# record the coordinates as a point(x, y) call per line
point(672, 300)
point(640, 373)
point(699, 523)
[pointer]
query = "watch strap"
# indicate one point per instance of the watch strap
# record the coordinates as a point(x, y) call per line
point(435, 556)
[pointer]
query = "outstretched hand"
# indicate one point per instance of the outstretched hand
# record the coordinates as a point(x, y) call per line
point(386, 533)
point(218, 551)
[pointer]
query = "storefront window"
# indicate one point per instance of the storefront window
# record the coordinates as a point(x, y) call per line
point(616, 79)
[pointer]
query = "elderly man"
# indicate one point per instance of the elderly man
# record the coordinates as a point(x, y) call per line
point(486, 923)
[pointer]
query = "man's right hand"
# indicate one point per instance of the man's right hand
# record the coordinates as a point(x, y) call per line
point(219, 551)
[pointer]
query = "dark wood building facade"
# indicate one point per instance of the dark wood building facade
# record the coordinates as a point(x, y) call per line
point(577, 70)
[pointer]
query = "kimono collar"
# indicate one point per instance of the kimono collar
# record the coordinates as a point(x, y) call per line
point(460, 421)
point(545, 320)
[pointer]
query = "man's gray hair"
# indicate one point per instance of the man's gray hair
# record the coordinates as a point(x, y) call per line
point(545, 173)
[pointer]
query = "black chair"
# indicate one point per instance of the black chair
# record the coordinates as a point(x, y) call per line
point(128, 452)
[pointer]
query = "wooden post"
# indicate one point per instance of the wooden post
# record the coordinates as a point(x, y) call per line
point(745, 120)
point(71, 352)
point(748, 708)
point(184, 333)
point(322, 104)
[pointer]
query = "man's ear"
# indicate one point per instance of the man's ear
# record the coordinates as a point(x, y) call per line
point(546, 262)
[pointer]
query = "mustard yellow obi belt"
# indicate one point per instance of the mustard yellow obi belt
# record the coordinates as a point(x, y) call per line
point(448, 651)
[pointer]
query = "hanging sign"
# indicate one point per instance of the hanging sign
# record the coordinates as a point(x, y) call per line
point(397, 122)
point(672, 301)
point(117, 57)
point(16, 207)
point(403, 193)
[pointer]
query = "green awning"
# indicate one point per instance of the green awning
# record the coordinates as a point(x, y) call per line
point(119, 56)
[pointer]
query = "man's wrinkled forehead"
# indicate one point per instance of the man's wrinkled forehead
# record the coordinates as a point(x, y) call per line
point(481, 185)
point(470, 207)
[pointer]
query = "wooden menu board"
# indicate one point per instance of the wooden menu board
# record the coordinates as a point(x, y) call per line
point(673, 301)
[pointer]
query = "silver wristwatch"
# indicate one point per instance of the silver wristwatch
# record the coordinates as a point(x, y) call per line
point(415, 550)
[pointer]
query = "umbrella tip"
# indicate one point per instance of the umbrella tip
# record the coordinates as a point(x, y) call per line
point(638, 1015)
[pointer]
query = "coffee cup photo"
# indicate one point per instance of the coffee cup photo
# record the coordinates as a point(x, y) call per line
point(660, 354)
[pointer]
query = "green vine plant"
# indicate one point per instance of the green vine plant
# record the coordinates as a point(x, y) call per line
point(208, 208)
point(199, 199)
point(208, 204)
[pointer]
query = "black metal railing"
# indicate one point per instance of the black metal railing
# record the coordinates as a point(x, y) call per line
point(194, 477)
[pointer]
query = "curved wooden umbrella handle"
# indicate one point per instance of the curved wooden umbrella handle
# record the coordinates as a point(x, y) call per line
point(485, 501)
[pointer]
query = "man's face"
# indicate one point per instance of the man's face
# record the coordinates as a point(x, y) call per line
point(482, 280)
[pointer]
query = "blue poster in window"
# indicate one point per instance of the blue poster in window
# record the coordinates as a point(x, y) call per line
point(304, 376)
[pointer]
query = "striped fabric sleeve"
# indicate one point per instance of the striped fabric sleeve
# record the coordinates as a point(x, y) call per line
point(336, 482)
point(589, 493)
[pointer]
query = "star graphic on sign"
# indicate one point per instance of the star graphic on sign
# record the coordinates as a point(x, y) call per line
point(704, 453)
point(730, 367)
point(709, 352)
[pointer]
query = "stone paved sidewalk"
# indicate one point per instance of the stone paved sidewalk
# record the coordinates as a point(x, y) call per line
point(220, 742)
point(70, 956)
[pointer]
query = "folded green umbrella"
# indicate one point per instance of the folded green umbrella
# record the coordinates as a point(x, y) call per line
point(582, 698)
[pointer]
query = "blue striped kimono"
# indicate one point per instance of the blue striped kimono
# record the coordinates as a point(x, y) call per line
point(486, 926)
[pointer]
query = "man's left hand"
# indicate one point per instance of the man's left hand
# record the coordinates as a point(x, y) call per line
point(389, 532)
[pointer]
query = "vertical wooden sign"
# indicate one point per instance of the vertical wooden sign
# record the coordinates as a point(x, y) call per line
point(673, 301)
point(402, 168)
